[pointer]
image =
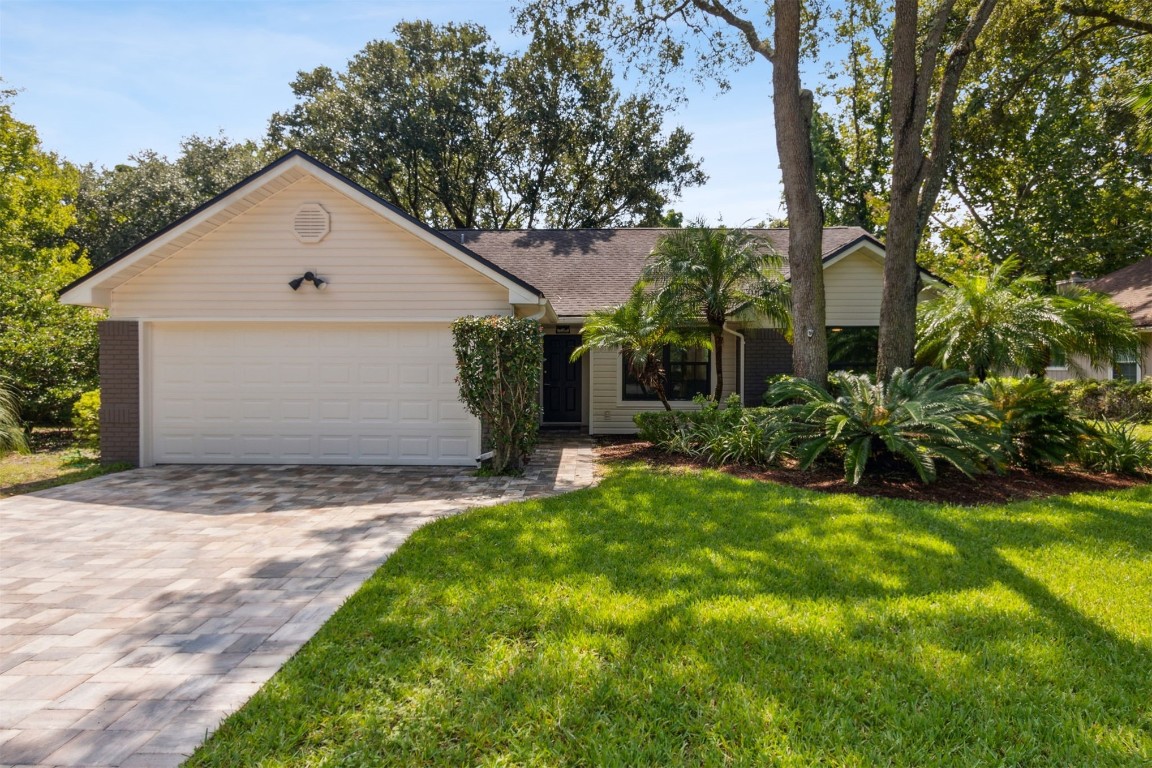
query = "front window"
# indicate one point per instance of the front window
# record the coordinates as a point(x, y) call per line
point(853, 348)
point(1127, 368)
point(687, 373)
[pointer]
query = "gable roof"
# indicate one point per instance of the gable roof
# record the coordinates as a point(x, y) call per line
point(1131, 288)
point(582, 270)
point(93, 288)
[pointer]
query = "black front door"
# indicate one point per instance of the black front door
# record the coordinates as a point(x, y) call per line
point(561, 380)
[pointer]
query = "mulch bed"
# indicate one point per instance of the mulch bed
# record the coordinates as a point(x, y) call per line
point(951, 486)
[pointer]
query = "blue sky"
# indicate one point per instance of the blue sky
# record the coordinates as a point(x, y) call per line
point(102, 79)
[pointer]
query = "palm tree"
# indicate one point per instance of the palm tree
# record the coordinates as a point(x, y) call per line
point(640, 328)
point(11, 434)
point(717, 272)
point(996, 322)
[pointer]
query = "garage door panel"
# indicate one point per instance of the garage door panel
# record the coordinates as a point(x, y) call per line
point(333, 394)
point(375, 374)
point(454, 447)
point(375, 412)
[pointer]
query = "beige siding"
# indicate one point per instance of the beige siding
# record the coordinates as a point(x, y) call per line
point(241, 270)
point(853, 287)
point(1104, 372)
point(612, 415)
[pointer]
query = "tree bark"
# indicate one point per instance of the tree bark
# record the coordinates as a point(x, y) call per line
point(718, 348)
point(793, 118)
point(917, 176)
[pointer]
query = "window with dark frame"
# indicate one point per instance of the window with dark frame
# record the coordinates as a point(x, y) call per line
point(1127, 368)
point(687, 373)
point(853, 348)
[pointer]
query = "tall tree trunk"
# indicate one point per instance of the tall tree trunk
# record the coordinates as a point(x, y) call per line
point(917, 175)
point(897, 342)
point(793, 117)
point(718, 347)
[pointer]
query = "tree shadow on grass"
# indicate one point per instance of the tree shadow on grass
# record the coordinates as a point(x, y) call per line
point(705, 621)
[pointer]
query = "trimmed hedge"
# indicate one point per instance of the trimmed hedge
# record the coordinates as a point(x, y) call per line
point(1114, 400)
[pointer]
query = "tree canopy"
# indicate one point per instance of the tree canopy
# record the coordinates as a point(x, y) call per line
point(460, 134)
point(709, 37)
point(117, 208)
point(1049, 163)
point(47, 350)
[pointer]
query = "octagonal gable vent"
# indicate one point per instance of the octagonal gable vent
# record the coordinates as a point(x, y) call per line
point(311, 224)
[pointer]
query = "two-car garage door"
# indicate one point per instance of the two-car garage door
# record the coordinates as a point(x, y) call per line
point(307, 393)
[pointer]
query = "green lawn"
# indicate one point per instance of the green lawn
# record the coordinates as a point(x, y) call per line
point(682, 619)
point(24, 473)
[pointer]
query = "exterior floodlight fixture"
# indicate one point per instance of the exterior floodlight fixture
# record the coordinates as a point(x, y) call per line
point(309, 277)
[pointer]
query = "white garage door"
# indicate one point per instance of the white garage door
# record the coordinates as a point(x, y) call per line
point(307, 394)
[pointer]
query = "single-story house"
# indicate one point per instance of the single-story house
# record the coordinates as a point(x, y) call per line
point(298, 318)
point(1131, 288)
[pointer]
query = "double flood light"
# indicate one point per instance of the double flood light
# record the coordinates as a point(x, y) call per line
point(308, 277)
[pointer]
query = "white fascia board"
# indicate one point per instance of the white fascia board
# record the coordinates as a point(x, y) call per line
point(875, 252)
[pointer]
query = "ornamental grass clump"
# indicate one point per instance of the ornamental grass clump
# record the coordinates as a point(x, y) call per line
point(1116, 447)
point(729, 435)
point(12, 438)
point(499, 361)
point(916, 418)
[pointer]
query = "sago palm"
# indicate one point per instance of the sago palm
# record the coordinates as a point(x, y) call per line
point(716, 272)
point(640, 328)
point(919, 417)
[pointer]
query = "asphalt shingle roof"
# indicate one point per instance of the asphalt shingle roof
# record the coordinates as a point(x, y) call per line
point(1131, 288)
point(585, 269)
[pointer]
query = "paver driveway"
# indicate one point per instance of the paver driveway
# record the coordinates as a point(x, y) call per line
point(138, 609)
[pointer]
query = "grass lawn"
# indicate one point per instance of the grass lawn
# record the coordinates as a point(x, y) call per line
point(47, 467)
point(1144, 431)
point(700, 619)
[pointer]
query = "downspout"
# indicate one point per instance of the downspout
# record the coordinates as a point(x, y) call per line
point(740, 373)
point(543, 311)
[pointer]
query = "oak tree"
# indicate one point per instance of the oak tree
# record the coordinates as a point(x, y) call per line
point(443, 124)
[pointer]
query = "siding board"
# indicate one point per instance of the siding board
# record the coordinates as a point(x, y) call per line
point(853, 288)
point(241, 270)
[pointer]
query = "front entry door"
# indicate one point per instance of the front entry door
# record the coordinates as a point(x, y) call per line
point(561, 380)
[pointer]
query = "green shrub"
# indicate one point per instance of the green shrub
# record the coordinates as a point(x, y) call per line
point(86, 419)
point(12, 436)
point(1036, 420)
point(498, 362)
point(1113, 400)
point(917, 417)
point(730, 435)
point(1116, 447)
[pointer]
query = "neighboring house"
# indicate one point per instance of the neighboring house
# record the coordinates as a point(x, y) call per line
point(297, 318)
point(1131, 288)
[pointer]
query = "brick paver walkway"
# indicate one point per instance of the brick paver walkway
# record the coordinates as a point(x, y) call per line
point(139, 609)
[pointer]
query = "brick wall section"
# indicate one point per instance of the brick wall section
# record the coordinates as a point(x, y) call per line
point(766, 353)
point(119, 391)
